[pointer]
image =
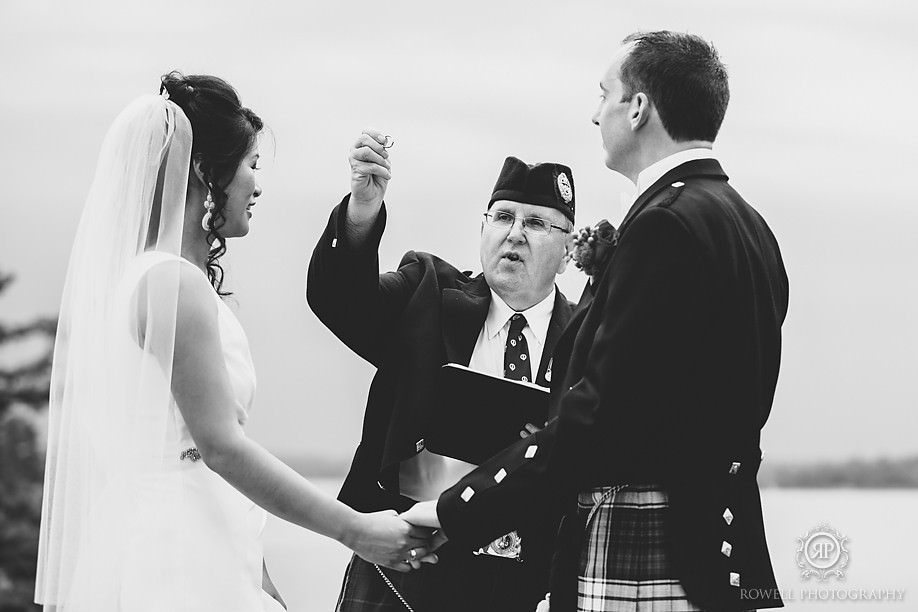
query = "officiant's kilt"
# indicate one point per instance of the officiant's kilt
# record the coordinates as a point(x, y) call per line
point(461, 582)
point(623, 564)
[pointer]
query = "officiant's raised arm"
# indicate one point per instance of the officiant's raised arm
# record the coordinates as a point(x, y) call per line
point(502, 322)
point(370, 174)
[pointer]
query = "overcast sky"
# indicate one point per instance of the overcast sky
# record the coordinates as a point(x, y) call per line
point(819, 137)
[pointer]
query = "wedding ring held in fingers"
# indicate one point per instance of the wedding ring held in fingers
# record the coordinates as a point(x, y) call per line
point(390, 142)
point(412, 554)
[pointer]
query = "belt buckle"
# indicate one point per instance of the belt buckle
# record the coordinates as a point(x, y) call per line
point(508, 546)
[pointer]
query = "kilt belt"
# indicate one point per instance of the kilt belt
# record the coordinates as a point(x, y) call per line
point(624, 566)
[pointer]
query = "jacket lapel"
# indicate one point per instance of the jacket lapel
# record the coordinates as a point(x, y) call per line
point(560, 316)
point(564, 345)
point(586, 298)
point(464, 310)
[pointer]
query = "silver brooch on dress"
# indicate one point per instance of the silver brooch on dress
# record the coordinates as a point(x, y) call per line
point(190, 453)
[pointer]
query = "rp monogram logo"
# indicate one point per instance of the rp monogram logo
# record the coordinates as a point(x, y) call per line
point(822, 553)
point(822, 550)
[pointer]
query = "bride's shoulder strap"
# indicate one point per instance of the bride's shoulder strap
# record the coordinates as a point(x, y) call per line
point(157, 286)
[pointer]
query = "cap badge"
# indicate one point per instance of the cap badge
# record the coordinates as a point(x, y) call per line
point(564, 187)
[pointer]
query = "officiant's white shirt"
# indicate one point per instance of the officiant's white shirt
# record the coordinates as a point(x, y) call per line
point(426, 475)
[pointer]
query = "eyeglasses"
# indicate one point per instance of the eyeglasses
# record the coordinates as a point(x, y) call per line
point(533, 225)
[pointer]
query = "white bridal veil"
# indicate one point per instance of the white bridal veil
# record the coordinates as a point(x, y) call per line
point(111, 379)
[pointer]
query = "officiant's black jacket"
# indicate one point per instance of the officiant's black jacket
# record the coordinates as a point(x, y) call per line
point(408, 323)
point(667, 374)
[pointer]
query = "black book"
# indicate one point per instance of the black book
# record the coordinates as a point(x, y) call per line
point(483, 414)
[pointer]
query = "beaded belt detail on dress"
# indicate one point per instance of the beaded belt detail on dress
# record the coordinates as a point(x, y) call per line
point(190, 453)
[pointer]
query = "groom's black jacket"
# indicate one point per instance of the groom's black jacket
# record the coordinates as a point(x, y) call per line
point(408, 323)
point(666, 376)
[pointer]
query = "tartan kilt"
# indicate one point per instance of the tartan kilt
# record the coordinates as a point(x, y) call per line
point(364, 590)
point(624, 565)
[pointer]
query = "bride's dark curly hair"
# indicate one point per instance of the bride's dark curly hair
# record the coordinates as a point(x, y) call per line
point(223, 132)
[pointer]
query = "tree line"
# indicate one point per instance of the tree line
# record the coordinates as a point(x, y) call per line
point(24, 388)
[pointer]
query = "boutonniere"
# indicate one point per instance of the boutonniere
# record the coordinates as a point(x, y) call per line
point(593, 246)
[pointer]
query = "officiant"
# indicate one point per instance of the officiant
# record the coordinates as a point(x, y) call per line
point(408, 323)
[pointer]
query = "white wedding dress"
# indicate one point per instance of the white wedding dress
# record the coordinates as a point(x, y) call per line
point(132, 519)
point(218, 528)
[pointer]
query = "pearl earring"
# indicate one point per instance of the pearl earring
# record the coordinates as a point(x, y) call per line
point(209, 210)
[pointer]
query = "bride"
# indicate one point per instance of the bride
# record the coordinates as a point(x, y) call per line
point(153, 493)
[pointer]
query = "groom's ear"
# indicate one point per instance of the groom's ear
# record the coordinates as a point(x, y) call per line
point(639, 111)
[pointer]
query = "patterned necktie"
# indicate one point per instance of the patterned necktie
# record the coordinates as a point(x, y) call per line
point(516, 367)
point(516, 352)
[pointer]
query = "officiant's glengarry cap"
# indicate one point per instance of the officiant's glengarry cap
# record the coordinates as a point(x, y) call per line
point(547, 184)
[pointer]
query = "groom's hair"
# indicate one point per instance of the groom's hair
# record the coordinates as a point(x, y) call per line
point(684, 78)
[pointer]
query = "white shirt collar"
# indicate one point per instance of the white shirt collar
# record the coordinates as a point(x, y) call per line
point(537, 317)
point(654, 172)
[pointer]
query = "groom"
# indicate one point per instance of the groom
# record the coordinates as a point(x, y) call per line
point(667, 375)
point(408, 323)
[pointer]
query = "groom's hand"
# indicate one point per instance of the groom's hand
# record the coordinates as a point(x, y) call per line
point(424, 514)
point(385, 539)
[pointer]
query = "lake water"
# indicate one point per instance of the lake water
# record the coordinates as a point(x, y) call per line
point(880, 527)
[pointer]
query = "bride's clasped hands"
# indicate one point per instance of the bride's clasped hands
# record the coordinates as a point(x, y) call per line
point(423, 515)
point(388, 539)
